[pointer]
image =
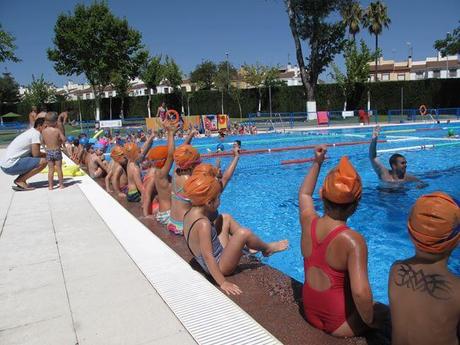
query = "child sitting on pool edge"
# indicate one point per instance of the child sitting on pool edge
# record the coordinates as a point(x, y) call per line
point(424, 295)
point(218, 255)
point(135, 186)
point(335, 256)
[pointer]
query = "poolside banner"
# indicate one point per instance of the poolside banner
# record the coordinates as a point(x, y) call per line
point(222, 122)
point(153, 123)
point(210, 122)
point(110, 124)
point(193, 121)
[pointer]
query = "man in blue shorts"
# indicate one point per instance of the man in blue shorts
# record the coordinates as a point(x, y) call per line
point(23, 156)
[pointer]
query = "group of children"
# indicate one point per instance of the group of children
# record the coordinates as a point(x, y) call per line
point(337, 298)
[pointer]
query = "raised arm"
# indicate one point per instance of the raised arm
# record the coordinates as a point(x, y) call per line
point(146, 147)
point(231, 168)
point(189, 137)
point(306, 205)
point(172, 130)
point(378, 167)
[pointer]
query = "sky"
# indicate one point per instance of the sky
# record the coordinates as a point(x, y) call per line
point(189, 31)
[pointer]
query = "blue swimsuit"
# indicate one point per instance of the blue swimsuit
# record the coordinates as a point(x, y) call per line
point(217, 249)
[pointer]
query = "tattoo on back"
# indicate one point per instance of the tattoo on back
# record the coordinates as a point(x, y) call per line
point(436, 285)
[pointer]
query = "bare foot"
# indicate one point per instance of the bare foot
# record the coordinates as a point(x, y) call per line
point(61, 186)
point(23, 185)
point(274, 247)
point(50, 187)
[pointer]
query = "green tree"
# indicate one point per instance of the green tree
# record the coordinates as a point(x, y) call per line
point(352, 16)
point(222, 79)
point(357, 69)
point(152, 75)
point(7, 46)
point(93, 42)
point(9, 91)
point(204, 75)
point(259, 76)
point(237, 94)
point(172, 72)
point(121, 82)
point(40, 92)
point(225, 73)
point(310, 21)
point(375, 19)
point(450, 45)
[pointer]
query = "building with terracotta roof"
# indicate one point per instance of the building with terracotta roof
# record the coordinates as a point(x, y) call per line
point(431, 67)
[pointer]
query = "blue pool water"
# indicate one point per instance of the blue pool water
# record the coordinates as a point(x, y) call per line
point(263, 194)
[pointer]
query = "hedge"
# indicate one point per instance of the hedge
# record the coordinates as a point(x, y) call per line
point(434, 93)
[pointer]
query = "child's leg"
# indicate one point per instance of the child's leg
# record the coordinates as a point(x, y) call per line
point(50, 174)
point(240, 237)
point(59, 172)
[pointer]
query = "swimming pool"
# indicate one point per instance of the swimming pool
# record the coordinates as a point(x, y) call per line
point(263, 193)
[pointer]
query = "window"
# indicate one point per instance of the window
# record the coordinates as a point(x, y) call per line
point(452, 73)
point(166, 90)
point(385, 76)
point(418, 75)
point(436, 73)
point(401, 77)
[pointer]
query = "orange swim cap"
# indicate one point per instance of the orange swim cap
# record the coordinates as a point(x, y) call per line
point(342, 184)
point(434, 223)
point(158, 154)
point(201, 188)
point(117, 153)
point(131, 151)
point(206, 169)
point(185, 156)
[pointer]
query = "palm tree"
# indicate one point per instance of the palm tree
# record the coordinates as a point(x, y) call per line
point(375, 18)
point(352, 16)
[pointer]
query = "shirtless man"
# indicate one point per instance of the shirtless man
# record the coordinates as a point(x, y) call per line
point(398, 164)
point(53, 139)
point(62, 120)
point(32, 116)
point(97, 167)
point(424, 294)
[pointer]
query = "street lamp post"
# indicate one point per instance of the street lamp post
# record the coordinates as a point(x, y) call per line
point(228, 72)
point(447, 59)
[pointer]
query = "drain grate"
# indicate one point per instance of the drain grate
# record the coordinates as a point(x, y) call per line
point(208, 315)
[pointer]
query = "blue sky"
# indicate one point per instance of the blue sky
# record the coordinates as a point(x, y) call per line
point(192, 31)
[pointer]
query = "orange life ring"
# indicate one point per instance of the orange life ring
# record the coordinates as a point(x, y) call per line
point(222, 119)
point(422, 110)
point(171, 113)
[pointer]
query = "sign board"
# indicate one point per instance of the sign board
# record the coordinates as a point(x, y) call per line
point(311, 110)
point(110, 124)
point(349, 113)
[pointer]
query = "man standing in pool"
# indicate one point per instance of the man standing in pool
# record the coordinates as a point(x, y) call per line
point(398, 164)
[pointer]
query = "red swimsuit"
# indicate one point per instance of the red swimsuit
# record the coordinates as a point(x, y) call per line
point(324, 309)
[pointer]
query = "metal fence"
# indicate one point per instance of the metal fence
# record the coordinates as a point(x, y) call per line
point(437, 114)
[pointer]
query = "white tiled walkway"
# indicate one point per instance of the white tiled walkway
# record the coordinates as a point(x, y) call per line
point(65, 279)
